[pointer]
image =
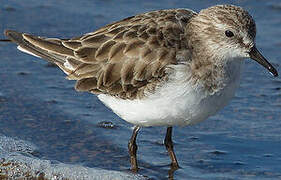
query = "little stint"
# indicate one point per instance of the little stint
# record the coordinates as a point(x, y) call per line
point(167, 68)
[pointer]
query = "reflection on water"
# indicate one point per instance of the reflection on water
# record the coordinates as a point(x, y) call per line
point(39, 106)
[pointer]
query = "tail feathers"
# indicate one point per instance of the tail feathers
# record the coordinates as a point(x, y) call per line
point(61, 53)
point(5, 40)
point(49, 49)
point(52, 45)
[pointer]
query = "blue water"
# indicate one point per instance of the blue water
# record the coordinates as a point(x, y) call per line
point(38, 105)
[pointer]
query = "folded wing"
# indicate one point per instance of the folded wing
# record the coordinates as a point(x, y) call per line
point(124, 59)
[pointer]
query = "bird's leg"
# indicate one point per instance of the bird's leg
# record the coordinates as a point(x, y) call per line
point(132, 146)
point(169, 146)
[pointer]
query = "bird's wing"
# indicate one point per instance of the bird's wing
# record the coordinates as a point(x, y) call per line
point(122, 59)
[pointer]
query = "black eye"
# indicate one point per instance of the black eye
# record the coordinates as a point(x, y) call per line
point(229, 33)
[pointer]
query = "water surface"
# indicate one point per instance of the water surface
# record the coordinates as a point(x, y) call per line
point(39, 106)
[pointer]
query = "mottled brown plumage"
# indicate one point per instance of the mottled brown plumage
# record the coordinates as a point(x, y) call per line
point(123, 59)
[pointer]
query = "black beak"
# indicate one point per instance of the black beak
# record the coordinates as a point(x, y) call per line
point(257, 56)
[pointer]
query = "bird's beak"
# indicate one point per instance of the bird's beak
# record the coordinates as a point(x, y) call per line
point(257, 56)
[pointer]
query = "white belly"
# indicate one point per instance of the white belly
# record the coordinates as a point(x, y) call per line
point(175, 103)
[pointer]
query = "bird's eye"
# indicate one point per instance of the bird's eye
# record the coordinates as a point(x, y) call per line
point(229, 33)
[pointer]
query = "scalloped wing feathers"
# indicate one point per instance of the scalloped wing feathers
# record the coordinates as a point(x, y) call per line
point(123, 59)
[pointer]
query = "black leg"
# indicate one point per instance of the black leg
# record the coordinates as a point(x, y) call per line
point(132, 146)
point(169, 146)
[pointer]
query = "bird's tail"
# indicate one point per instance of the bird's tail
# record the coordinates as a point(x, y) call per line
point(50, 49)
point(5, 40)
point(40, 47)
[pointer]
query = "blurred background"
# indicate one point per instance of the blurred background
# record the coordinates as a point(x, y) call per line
point(43, 119)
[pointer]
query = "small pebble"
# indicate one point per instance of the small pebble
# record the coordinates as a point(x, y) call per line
point(106, 124)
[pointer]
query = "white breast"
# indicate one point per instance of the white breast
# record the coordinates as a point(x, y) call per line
point(176, 102)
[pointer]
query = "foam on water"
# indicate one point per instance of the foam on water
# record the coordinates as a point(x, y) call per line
point(17, 161)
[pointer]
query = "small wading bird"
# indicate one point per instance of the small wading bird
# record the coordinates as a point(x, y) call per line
point(161, 68)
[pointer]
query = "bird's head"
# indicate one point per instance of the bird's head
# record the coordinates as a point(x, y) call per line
point(225, 32)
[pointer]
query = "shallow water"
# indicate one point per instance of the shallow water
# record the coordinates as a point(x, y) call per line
point(38, 105)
